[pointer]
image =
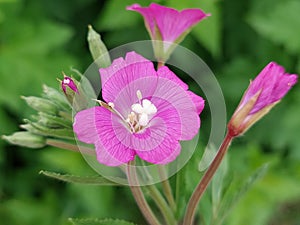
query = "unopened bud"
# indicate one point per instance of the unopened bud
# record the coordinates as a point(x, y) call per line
point(56, 96)
point(97, 48)
point(267, 89)
point(26, 139)
point(68, 82)
point(41, 104)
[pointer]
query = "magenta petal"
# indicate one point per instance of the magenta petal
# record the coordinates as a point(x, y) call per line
point(173, 23)
point(99, 126)
point(165, 72)
point(84, 125)
point(182, 102)
point(119, 63)
point(148, 17)
point(164, 125)
point(167, 152)
point(117, 76)
point(111, 158)
point(198, 102)
point(273, 83)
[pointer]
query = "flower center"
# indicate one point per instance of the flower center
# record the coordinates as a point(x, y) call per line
point(140, 114)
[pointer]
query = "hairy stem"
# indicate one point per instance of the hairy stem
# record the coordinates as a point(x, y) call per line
point(139, 195)
point(162, 205)
point(167, 187)
point(202, 185)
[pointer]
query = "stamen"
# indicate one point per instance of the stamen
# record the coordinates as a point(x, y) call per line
point(112, 105)
point(139, 95)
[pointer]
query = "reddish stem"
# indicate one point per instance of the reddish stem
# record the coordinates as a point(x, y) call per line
point(202, 185)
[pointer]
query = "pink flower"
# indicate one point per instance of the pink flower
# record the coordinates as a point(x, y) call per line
point(68, 82)
point(146, 113)
point(167, 24)
point(268, 88)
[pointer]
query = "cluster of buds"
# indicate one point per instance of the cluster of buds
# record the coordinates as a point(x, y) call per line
point(55, 109)
point(53, 120)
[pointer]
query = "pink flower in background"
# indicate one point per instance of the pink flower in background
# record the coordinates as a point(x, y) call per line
point(167, 24)
point(267, 89)
point(146, 113)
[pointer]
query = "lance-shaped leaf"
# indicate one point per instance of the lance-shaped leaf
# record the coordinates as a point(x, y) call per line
point(99, 222)
point(91, 180)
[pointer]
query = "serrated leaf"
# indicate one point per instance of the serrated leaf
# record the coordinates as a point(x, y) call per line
point(99, 222)
point(91, 180)
point(230, 200)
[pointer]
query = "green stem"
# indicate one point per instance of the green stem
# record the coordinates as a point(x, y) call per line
point(167, 187)
point(201, 187)
point(69, 146)
point(139, 196)
point(178, 193)
point(162, 205)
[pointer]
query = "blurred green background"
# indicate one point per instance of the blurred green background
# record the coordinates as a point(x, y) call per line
point(41, 38)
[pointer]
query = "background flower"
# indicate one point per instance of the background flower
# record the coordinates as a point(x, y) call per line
point(168, 25)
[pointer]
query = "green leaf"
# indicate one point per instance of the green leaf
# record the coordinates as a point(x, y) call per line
point(91, 180)
point(231, 199)
point(280, 23)
point(99, 222)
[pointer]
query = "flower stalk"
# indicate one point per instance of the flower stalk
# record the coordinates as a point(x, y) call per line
point(167, 188)
point(162, 205)
point(139, 195)
point(203, 184)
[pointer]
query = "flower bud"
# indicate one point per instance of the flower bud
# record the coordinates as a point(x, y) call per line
point(41, 105)
point(97, 48)
point(268, 88)
point(56, 96)
point(68, 82)
point(26, 139)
